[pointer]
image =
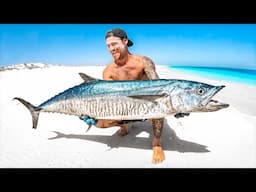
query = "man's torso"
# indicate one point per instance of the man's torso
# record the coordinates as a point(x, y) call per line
point(133, 69)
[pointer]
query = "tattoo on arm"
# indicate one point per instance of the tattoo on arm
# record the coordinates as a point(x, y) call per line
point(150, 68)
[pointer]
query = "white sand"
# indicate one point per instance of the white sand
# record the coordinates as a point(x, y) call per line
point(222, 139)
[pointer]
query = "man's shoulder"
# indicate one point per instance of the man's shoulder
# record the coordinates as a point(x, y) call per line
point(107, 68)
point(143, 58)
point(147, 60)
point(109, 65)
point(107, 71)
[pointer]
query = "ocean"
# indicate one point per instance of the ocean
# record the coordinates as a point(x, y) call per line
point(245, 76)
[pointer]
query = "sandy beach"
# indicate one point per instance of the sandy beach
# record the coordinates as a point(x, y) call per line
point(221, 139)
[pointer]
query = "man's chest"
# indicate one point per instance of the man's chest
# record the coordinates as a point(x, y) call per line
point(127, 73)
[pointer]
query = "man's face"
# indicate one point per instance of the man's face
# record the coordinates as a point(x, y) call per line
point(116, 46)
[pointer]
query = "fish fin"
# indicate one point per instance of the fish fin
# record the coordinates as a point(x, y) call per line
point(33, 110)
point(87, 78)
point(89, 127)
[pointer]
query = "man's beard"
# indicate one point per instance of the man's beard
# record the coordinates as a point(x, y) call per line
point(118, 56)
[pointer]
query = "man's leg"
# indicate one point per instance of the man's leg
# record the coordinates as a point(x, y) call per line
point(158, 153)
point(123, 130)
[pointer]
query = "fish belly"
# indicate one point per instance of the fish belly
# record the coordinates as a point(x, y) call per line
point(110, 107)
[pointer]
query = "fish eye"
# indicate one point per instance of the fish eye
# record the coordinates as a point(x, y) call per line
point(200, 91)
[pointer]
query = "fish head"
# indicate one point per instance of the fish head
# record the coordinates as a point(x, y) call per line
point(190, 96)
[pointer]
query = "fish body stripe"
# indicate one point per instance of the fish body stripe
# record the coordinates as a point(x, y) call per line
point(106, 108)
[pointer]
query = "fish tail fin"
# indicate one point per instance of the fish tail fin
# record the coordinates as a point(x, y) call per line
point(33, 110)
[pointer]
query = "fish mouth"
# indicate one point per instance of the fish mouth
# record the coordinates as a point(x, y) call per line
point(211, 93)
point(214, 105)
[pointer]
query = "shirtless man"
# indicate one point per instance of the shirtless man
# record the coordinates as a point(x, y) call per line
point(127, 66)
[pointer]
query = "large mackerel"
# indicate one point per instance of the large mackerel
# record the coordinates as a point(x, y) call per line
point(130, 100)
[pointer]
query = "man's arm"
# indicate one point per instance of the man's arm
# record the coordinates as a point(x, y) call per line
point(149, 68)
point(158, 153)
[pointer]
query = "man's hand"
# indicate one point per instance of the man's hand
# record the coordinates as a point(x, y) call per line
point(88, 120)
point(179, 115)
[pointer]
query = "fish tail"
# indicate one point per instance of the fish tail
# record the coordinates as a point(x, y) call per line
point(33, 110)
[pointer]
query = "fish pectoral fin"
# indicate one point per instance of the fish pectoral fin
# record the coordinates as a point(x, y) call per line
point(87, 78)
point(89, 127)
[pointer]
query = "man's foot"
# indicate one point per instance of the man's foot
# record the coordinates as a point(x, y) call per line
point(158, 155)
point(123, 130)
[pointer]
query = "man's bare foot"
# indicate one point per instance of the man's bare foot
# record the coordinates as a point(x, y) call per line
point(123, 130)
point(158, 155)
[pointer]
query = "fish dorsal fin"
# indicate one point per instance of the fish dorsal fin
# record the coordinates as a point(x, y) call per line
point(87, 78)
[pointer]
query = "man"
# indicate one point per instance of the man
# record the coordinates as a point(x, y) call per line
point(127, 66)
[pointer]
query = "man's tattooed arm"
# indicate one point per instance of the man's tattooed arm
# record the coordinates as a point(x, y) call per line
point(149, 68)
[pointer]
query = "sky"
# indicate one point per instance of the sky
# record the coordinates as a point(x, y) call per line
point(214, 45)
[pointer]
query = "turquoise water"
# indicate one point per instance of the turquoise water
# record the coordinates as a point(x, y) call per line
point(225, 74)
